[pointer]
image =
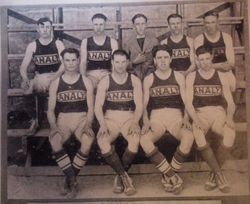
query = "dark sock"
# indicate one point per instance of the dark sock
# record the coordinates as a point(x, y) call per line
point(158, 159)
point(127, 159)
point(178, 159)
point(64, 163)
point(114, 161)
point(208, 155)
point(222, 153)
point(79, 161)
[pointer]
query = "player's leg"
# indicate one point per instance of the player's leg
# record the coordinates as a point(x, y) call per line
point(231, 80)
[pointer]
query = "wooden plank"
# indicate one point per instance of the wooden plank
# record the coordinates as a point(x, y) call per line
point(237, 165)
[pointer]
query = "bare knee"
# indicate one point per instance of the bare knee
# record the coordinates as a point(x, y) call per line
point(187, 140)
point(56, 142)
point(104, 145)
point(147, 144)
point(86, 143)
point(133, 143)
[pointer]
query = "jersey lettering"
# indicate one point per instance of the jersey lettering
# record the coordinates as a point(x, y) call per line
point(71, 96)
point(207, 90)
point(180, 53)
point(164, 91)
point(120, 96)
point(46, 59)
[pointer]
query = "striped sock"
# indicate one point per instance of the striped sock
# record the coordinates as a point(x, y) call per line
point(64, 163)
point(157, 158)
point(178, 159)
point(79, 161)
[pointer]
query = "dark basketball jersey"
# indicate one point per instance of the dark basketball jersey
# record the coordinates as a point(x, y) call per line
point(46, 58)
point(208, 92)
point(99, 57)
point(120, 96)
point(218, 48)
point(181, 54)
point(71, 98)
point(165, 93)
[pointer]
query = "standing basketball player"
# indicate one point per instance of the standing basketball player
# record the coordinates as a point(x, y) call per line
point(139, 47)
point(96, 51)
point(181, 46)
point(72, 96)
point(164, 94)
point(45, 53)
point(121, 95)
point(221, 44)
point(207, 89)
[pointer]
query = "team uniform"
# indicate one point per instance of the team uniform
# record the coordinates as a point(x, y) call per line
point(180, 53)
point(219, 55)
point(71, 103)
point(98, 58)
point(166, 104)
point(120, 106)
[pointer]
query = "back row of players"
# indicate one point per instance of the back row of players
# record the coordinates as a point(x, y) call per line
point(172, 91)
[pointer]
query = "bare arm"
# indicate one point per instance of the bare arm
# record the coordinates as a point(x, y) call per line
point(60, 48)
point(191, 57)
point(25, 63)
point(90, 101)
point(198, 41)
point(114, 45)
point(83, 53)
point(52, 104)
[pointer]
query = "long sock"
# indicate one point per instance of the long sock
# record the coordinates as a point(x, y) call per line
point(158, 159)
point(114, 161)
point(64, 163)
point(209, 157)
point(79, 161)
point(178, 159)
point(127, 159)
point(222, 154)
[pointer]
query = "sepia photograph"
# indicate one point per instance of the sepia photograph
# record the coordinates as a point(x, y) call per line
point(125, 102)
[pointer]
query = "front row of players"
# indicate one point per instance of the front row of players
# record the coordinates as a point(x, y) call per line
point(166, 101)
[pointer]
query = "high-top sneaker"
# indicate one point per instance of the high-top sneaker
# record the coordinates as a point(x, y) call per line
point(118, 185)
point(211, 182)
point(222, 182)
point(129, 188)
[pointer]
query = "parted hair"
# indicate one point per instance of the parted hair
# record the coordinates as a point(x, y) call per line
point(71, 51)
point(120, 52)
point(161, 47)
point(99, 15)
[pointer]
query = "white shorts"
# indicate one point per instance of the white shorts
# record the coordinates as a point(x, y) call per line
point(212, 116)
point(69, 123)
point(97, 75)
point(166, 119)
point(118, 121)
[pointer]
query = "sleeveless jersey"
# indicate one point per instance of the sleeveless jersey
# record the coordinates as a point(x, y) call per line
point(99, 57)
point(46, 58)
point(165, 93)
point(71, 98)
point(181, 54)
point(120, 96)
point(208, 92)
point(218, 48)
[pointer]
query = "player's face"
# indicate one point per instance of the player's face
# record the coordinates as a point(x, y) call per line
point(205, 61)
point(120, 64)
point(211, 24)
point(71, 62)
point(98, 25)
point(175, 25)
point(45, 30)
point(140, 25)
point(162, 60)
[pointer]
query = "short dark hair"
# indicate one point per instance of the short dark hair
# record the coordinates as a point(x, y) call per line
point(42, 20)
point(120, 52)
point(174, 15)
point(211, 13)
point(71, 51)
point(203, 49)
point(99, 15)
point(139, 15)
point(161, 47)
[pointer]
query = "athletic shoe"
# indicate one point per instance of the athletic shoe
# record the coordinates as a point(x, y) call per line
point(73, 188)
point(118, 185)
point(211, 182)
point(129, 188)
point(222, 182)
point(177, 183)
point(165, 180)
point(66, 188)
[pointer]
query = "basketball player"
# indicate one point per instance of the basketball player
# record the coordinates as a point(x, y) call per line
point(72, 96)
point(121, 95)
point(139, 47)
point(221, 44)
point(164, 94)
point(181, 46)
point(207, 88)
point(96, 51)
point(45, 54)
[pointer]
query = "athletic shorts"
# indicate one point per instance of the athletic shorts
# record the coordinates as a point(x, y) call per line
point(166, 119)
point(119, 121)
point(97, 75)
point(69, 123)
point(212, 116)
